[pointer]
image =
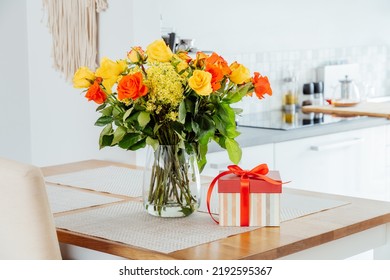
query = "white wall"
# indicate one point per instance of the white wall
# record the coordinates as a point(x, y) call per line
point(230, 26)
point(14, 89)
point(62, 120)
point(45, 121)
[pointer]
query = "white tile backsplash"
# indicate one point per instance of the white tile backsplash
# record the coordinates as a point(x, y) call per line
point(374, 68)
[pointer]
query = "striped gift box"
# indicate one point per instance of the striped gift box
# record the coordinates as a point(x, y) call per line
point(264, 201)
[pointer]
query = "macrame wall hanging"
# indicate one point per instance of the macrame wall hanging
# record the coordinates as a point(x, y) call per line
point(73, 25)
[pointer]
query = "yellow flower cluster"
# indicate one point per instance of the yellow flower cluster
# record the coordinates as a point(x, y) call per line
point(165, 86)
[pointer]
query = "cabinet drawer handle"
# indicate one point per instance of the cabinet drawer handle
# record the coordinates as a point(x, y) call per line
point(336, 145)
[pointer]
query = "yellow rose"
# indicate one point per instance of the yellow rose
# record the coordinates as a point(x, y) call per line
point(200, 82)
point(159, 51)
point(110, 71)
point(240, 74)
point(83, 78)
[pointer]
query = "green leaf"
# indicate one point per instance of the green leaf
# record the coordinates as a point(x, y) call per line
point(231, 131)
point(133, 117)
point(143, 118)
point(148, 131)
point(101, 107)
point(103, 139)
point(190, 105)
point(140, 144)
point(129, 140)
point(234, 150)
point(233, 98)
point(152, 142)
point(116, 112)
point(106, 141)
point(119, 133)
point(206, 128)
point(226, 113)
point(127, 114)
point(219, 125)
point(220, 140)
point(104, 120)
point(107, 111)
point(182, 112)
point(225, 121)
point(205, 137)
point(237, 95)
point(202, 151)
point(195, 127)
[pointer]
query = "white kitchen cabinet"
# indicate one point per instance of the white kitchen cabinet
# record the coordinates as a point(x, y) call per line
point(251, 157)
point(349, 163)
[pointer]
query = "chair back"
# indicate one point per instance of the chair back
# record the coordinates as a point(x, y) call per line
point(27, 229)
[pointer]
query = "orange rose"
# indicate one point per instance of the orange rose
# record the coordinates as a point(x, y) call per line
point(216, 76)
point(221, 63)
point(262, 85)
point(131, 86)
point(96, 93)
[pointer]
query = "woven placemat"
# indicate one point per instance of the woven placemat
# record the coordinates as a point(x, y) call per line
point(130, 224)
point(110, 179)
point(64, 199)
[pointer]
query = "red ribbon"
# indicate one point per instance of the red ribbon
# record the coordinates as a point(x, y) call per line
point(258, 172)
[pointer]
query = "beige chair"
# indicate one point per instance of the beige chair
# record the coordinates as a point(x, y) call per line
point(27, 228)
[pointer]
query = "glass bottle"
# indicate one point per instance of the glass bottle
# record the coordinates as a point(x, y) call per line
point(290, 94)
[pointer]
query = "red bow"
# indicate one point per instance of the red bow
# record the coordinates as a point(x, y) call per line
point(258, 172)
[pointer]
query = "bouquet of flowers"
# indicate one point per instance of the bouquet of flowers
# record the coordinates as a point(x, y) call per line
point(166, 98)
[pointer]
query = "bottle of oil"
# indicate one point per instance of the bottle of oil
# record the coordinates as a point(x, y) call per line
point(290, 98)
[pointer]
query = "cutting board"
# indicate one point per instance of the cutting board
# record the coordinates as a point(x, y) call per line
point(371, 109)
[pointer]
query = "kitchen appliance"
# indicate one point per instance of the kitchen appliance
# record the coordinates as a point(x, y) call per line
point(332, 74)
point(185, 45)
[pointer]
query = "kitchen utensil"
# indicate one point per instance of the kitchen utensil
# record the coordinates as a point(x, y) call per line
point(346, 93)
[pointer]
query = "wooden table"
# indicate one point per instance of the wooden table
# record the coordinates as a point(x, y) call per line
point(336, 233)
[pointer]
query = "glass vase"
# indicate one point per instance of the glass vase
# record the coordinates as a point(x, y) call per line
point(171, 183)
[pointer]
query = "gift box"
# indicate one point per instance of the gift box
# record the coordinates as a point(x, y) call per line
point(262, 205)
point(248, 198)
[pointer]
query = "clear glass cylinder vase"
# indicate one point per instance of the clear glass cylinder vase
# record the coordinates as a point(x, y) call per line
point(171, 183)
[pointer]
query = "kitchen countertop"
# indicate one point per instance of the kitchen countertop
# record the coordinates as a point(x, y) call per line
point(260, 136)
